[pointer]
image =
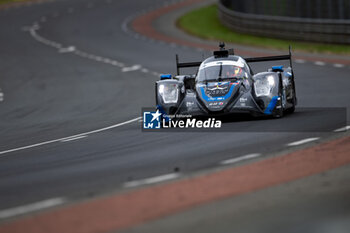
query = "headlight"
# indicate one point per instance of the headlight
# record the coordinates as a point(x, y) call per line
point(264, 85)
point(169, 92)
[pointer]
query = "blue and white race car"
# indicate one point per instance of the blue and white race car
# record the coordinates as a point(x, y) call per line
point(225, 84)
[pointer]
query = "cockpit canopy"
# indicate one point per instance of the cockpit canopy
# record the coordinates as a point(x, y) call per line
point(221, 70)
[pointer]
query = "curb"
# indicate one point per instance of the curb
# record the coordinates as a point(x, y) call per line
point(146, 204)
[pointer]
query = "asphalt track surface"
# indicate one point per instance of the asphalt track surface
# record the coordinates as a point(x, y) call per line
point(53, 93)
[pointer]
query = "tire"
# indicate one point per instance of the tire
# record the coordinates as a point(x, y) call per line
point(294, 101)
point(278, 112)
point(291, 109)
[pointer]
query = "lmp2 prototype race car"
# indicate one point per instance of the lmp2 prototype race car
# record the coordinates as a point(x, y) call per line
point(225, 84)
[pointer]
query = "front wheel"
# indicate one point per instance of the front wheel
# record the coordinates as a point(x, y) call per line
point(292, 109)
point(278, 112)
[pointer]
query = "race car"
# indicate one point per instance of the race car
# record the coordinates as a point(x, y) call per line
point(225, 84)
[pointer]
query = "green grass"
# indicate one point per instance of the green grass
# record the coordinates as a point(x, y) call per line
point(7, 1)
point(204, 23)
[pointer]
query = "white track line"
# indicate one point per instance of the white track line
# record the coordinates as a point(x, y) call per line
point(301, 61)
point(345, 128)
point(73, 138)
point(306, 140)
point(319, 63)
point(338, 65)
point(241, 158)
point(2, 153)
point(33, 32)
point(125, 23)
point(151, 180)
point(131, 68)
point(7, 213)
point(116, 63)
point(68, 49)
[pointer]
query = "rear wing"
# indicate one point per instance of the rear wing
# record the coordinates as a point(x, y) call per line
point(272, 58)
point(248, 60)
point(185, 64)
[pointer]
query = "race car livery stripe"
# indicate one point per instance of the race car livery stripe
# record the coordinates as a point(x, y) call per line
point(271, 105)
point(219, 98)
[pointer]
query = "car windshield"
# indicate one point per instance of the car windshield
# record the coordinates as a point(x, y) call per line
point(220, 72)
